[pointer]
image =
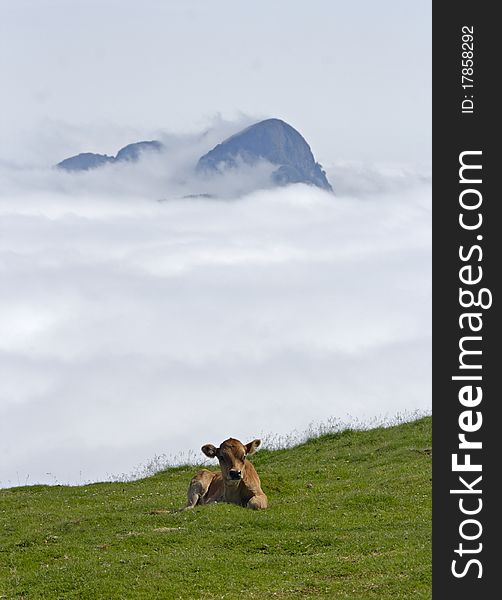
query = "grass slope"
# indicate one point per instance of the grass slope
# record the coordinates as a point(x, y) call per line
point(349, 517)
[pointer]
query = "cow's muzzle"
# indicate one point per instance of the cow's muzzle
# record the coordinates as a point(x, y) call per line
point(234, 474)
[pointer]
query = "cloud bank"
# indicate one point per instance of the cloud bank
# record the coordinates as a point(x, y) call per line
point(136, 322)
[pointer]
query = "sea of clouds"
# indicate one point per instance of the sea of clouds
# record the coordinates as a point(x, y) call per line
point(137, 322)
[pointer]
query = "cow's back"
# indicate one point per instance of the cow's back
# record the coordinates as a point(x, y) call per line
point(206, 487)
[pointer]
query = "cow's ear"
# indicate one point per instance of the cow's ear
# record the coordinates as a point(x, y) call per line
point(252, 446)
point(209, 450)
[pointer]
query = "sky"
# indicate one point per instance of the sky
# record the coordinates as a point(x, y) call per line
point(135, 323)
point(353, 77)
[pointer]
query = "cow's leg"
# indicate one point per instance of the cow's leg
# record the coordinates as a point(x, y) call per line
point(258, 502)
point(198, 488)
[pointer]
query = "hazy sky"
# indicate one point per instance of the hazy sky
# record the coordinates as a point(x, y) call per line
point(353, 77)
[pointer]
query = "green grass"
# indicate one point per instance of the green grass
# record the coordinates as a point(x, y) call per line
point(349, 517)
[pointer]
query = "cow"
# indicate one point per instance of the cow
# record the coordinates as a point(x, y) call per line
point(236, 483)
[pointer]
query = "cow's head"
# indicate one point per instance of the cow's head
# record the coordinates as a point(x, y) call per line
point(232, 456)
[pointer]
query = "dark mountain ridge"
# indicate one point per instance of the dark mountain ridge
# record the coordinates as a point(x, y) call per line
point(271, 140)
point(89, 160)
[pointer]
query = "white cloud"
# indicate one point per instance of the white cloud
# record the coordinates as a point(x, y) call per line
point(132, 327)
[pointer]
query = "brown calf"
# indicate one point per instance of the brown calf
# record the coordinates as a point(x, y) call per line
point(238, 481)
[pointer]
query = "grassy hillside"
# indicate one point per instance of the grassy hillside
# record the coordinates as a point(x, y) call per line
point(349, 517)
